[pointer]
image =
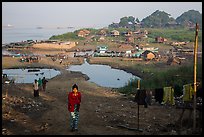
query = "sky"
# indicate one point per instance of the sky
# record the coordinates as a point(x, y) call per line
point(86, 14)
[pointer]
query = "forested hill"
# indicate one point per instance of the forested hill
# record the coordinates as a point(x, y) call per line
point(161, 19)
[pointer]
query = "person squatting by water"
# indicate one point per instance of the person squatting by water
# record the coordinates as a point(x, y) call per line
point(74, 100)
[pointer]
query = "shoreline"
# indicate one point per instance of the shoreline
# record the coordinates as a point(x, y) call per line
point(64, 68)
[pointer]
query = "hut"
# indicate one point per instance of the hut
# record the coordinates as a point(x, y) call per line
point(149, 55)
point(115, 33)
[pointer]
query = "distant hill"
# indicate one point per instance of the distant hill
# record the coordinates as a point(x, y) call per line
point(157, 19)
point(190, 17)
point(161, 19)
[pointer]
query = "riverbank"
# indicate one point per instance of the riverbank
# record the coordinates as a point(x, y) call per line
point(103, 110)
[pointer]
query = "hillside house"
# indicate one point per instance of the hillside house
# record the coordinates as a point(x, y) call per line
point(149, 55)
point(128, 33)
point(102, 38)
point(102, 32)
point(160, 39)
point(138, 54)
point(83, 33)
point(153, 49)
point(115, 33)
point(145, 32)
point(102, 49)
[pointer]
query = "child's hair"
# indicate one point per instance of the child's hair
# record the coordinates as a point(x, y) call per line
point(75, 86)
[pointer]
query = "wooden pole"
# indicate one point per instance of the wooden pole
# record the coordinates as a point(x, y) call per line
point(195, 64)
point(138, 84)
point(138, 87)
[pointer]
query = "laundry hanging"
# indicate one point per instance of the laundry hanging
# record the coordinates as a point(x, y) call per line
point(188, 92)
point(168, 96)
point(159, 95)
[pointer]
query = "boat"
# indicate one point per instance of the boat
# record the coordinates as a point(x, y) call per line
point(33, 70)
point(8, 26)
point(39, 27)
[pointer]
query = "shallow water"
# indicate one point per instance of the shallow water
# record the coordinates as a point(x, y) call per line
point(23, 76)
point(104, 75)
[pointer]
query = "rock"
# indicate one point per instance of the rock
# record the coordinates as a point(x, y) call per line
point(3, 129)
point(173, 132)
point(27, 131)
point(12, 120)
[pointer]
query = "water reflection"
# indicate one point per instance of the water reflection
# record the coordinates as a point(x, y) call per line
point(104, 75)
point(28, 75)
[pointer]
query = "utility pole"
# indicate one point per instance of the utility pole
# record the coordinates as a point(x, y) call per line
point(195, 88)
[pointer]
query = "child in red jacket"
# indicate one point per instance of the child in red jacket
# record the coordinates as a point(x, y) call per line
point(74, 100)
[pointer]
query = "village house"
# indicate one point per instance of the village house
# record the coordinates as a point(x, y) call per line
point(160, 39)
point(149, 55)
point(137, 32)
point(153, 49)
point(178, 43)
point(128, 33)
point(115, 33)
point(102, 32)
point(102, 49)
point(83, 33)
point(102, 38)
point(138, 54)
point(145, 32)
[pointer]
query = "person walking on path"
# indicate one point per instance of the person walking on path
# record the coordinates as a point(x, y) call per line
point(44, 81)
point(74, 100)
point(35, 88)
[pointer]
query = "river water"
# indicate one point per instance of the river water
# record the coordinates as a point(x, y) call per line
point(104, 75)
point(24, 76)
point(17, 34)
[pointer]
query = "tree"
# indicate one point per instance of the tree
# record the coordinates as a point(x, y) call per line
point(137, 20)
point(157, 19)
point(131, 19)
point(123, 22)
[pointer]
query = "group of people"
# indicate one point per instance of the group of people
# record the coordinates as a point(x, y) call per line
point(74, 100)
point(39, 85)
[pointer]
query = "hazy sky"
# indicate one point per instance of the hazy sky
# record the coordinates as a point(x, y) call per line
point(85, 14)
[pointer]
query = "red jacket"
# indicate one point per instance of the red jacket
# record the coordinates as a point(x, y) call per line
point(72, 100)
